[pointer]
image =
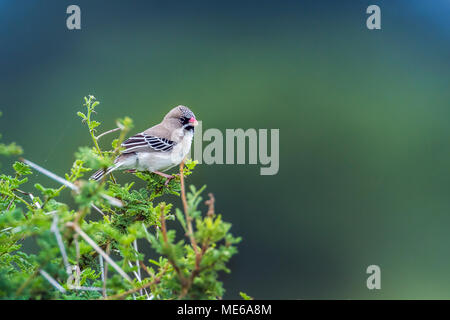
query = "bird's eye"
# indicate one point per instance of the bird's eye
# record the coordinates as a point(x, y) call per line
point(184, 120)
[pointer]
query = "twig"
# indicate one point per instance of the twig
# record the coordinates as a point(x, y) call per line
point(52, 281)
point(186, 212)
point(111, 200)
point(31, 197)
point(49, 174)
point(137, 258)
point(10, 204)
point(183, 192)
point(98, 210)
point(100, 258)
point(137, 265)
point(50, 212)
point(131, 291)
point(138, 277)
point(82, 288)
point(190, 234)
point(145, 268)
point(6, 229)
point(124, 294)
point(15, 196)
point(99, 250)
point(105, 133)
point(210, 204)
point(77, 249)
point(108, 250)
point(54, 228)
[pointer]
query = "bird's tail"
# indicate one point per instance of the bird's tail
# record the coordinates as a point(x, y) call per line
point(99, 174)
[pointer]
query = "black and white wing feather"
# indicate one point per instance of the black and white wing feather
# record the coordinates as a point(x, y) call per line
point(142, 141)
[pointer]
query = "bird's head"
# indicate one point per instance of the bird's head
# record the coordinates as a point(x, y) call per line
point(183, 117)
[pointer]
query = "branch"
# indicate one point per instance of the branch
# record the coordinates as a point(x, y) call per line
point(31, 197)
point(113, 201)
point(16, 197)
point(124, 294)
point(210, 204)
point(108, 250)
point(186, 212)
point(52, 281)
point(190, 233)
point(145, 268)
point(99, 250)
point(105, 133)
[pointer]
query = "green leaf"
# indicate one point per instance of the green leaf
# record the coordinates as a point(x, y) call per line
point(82, 115)
point(94, 124)
point(10, 149)
point(21, 168)
point(96, 103)
point(115, 143)
point(245, 296)
point(180, 217)
point(48, 192)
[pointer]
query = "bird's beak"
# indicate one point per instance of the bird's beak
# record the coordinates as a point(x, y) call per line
point(193, 121)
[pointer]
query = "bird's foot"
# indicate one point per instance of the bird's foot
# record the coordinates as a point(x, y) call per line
point(167, 176)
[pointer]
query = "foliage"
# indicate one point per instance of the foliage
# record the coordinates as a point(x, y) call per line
point(81, 256)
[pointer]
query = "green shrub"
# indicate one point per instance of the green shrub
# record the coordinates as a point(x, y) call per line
point(80, 256)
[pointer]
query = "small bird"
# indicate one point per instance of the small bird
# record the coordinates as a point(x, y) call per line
point(158, 148)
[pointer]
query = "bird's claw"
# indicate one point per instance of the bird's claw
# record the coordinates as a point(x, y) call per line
point(169, 178)
point(167, 181)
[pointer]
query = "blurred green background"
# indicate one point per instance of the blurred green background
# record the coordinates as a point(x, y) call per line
point(363, 116)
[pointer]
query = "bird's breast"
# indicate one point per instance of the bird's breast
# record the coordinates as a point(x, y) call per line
point(182, 148)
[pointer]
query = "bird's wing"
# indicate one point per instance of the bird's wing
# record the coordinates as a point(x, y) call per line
point(145, 142)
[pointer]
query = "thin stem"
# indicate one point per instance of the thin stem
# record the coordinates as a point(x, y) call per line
point(77, 250)
point(113, 201)
point(145, 268)
point(102, 269)
point(10, 204)
point(91, 130)
point(105, 133)
point(31, 197)
point(52, 281)
point(137, 258)
point(108, 250)
point(210, 204)
point(131, 291)
point(99, 250)
point(30, 207)
point(186, 211)
point(190, 234)
point(54, 228)
point(124, 294)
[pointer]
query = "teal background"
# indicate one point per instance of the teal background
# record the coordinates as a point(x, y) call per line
point(363, 118)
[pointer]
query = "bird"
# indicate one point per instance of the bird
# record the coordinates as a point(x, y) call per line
point(158, 148)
